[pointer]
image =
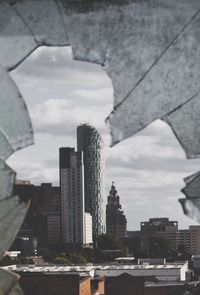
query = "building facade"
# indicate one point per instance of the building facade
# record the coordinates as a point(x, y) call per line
point(189, 238)
point(42, 221)
point(116, 223)
point(90, 143)
point(72, 196)
point(158, 224)
point(76, 226)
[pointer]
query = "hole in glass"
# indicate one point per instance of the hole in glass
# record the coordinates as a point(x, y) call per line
point(60, 93)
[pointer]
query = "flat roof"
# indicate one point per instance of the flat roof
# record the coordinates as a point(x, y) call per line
point(88, 268)
point(171, 283)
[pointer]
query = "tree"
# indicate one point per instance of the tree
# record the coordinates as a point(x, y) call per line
point(61, 260)
point(159, 247)
point(108, 242)
point(7, 260)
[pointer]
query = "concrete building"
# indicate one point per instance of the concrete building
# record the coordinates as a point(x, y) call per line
point(76, 227)
point(162, 272)
point(72, 196)
point(158, 224)
point(90, 142)
point(190, 238)
point(55, 283)
point(126, 284)
point(116, 223)
point(167, 229)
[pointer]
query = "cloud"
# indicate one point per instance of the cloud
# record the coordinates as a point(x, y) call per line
point(62, 116)
point(56, 64)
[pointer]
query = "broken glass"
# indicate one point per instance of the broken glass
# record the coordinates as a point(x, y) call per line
point(7, 178)
point(14, 118)
point(191, 208)
point(14, 49)
point(44, 20)
point(90, 29)
point(172, 81)
point(150, 51)
point(12, 213)
point(185, 122)
point(9, 283)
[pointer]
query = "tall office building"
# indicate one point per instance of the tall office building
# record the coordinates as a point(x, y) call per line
point(72, 196)
point(116, 223)
point(76, 225)
point(90, 142)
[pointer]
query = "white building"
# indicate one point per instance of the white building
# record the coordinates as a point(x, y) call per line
point(88, 230)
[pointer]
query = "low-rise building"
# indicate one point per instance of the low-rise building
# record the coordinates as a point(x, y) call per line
point(43, 218)
point(172, 288)
point(133, 285)
point(162, 272)
point(189, 239)
point(55, 283)
point(165, 272)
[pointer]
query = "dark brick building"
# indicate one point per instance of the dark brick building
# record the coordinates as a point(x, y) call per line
point(126, 284)
point(54, 284)
point(43, 218)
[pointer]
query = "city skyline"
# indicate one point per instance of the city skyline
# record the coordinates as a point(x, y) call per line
point(148, 168)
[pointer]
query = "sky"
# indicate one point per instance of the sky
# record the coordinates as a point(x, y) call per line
point(147, 168)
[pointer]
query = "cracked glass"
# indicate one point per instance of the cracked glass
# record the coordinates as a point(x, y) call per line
point(153, 63)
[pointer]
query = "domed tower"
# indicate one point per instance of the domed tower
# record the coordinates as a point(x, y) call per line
point(116, 223)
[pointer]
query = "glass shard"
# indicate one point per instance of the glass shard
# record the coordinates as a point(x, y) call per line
point(89, 31)
point(12, 213)
point(8, 281)
point(143, 33)
point(14, 118)
point(185, 122)
point(192, 189)
point(44, 20)
point(190, 177)
point(191, 208)
point(5, 148)
point(165, 87)
point(7, 177)
point(16, 40)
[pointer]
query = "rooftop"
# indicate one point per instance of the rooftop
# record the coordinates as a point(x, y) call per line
point(88, 268)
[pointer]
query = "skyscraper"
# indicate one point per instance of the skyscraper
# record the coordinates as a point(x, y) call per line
point(72, 196)
point(90, 142)
point(116, 223)
point(76, 225)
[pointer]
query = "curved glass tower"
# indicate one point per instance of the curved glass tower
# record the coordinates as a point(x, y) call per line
point(90, 142)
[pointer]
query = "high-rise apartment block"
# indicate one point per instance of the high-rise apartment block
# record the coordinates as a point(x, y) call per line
point(116, 223)
point(90, 143)
point(74, 223)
